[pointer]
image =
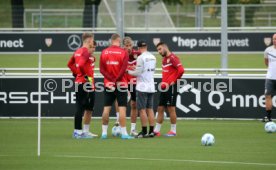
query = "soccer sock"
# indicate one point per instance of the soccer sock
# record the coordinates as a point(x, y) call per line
point(173, 128)
point(151, 129)
point(123, 131)
point(117, 116)
point(157, 127)
point(144, 129)
point(104, 129)
point(268, 114)
point(133, 126)
point(86, 127)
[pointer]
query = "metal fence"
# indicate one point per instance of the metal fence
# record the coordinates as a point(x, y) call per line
point(158, 15)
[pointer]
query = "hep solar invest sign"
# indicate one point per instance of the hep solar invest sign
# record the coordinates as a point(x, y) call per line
point(178, 42)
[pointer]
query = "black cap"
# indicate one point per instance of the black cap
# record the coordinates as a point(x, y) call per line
point(141, 43)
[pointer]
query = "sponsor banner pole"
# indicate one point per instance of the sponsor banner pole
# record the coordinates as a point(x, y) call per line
point(224, 36)
point(39, 104)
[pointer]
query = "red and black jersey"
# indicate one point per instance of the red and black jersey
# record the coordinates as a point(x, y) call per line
point(82, 64)
point(172, 69)
point(113, 65)
point(132, 62)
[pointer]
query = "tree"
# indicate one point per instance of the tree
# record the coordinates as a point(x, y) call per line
point(143, 4)
point(90, 13)
point(17, 13)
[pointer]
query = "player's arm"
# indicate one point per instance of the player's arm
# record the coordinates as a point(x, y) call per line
point(178, 65)
point(123, 67)
point(138, 69)
point(103, 70)
point(266, 58)
point(72, 66)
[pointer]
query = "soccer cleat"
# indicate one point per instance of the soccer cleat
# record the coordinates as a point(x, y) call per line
point(141, 135)
point(151, 135)
point(92, 134)
point(266, 119)
point(86, 135)
point(126, 137)
point(170, 134)
point(104, 136)
point(133, 133)
point(116, 124)
point(76, 135)
point(157, 133)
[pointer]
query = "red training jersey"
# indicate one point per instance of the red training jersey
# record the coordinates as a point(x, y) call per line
point(132, 62)
point(113, 65)
point(172, 69)
point(82, 64)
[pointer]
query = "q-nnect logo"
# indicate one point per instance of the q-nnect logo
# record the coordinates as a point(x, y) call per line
point(74, 42)
point(192, 106)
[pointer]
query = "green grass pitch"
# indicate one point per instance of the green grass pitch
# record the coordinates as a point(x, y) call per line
point(239, 145)
point(188, 60)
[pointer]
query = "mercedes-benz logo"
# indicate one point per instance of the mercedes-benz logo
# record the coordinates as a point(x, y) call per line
point(74, 42)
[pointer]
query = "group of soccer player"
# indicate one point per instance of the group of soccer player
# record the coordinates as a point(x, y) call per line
point(125, 71)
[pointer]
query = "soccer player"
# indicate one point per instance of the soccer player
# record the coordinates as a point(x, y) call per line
point(113, 65)
point(145, 88)
point(270, 83)
point(82, 66)
point(172, 70)
point(133, 54)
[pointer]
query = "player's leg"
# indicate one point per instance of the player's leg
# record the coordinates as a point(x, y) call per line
point(121, 96)
point(150, 113)
point(80, 100)
point(133, 112)
point(141, 106)
point(117, 113)
point(172, 93)
point(268, 99)
point(88, 114)
point(109, 98)
point(173, 118)
point(160, 110)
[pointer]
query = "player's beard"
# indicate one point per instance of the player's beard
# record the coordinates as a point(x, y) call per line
point(164, 54)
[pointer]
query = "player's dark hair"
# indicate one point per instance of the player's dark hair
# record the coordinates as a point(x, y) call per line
point(160, 43)
point(87, 35)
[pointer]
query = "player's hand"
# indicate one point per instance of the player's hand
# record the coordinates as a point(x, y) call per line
point(89, 79)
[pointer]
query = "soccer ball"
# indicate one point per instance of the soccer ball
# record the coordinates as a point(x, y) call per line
point(116, 131)
point(270, 127)
point(208, 139)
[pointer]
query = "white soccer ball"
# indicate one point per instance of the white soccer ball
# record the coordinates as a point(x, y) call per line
point(208, 139)
point(270, 127)
point(116, 131)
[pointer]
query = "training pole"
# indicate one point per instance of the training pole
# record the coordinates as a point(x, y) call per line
point(39, 104)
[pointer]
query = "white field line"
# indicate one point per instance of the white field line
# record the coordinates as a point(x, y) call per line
point(169, 160)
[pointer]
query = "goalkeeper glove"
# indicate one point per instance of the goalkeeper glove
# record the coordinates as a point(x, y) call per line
point(89, 79)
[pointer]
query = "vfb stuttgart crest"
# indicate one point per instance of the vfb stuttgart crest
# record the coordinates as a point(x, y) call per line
point(267, 41)
point(48, 41)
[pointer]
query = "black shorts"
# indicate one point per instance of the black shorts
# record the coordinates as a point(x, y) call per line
point(168, 98)
point(270, 87)
point(85, 99)
point(120, 95)
point(132, 90)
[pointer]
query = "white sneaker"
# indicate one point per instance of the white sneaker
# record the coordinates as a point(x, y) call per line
point(92, 134)
point(133, 133)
